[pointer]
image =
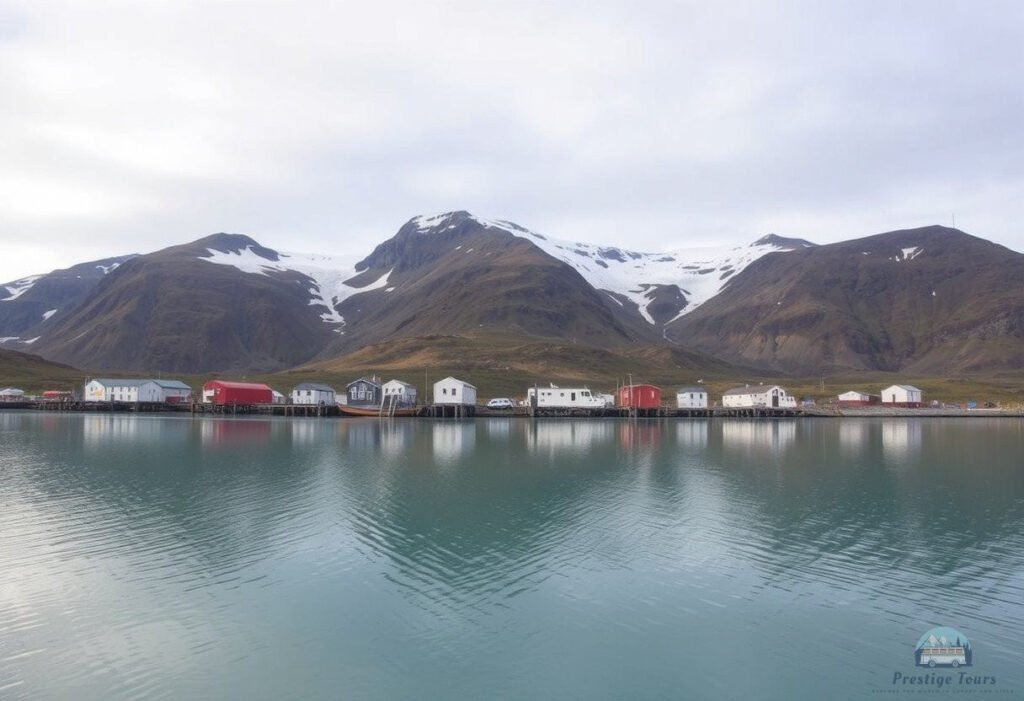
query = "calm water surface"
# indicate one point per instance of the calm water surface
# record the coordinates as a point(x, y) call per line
point(146, 557)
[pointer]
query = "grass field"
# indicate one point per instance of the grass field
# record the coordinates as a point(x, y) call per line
point(505, 366)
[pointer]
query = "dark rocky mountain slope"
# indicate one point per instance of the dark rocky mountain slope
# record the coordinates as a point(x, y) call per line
point(929, 300)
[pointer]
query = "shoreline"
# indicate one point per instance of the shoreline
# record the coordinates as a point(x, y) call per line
point(757, 413)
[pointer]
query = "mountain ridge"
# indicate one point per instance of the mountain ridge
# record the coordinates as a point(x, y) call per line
point(225, 302)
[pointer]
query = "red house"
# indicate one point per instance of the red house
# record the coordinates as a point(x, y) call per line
point(221, 392)
point(640, 396)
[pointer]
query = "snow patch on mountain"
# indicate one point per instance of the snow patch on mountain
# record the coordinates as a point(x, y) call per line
point(47, 315)
point(700, 273)
point(328, 273)
point(107, 269)
point(19, 287)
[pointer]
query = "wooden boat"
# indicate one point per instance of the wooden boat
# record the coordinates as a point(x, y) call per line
point(376, 411)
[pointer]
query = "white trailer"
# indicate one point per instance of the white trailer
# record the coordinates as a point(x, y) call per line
point(555, 397)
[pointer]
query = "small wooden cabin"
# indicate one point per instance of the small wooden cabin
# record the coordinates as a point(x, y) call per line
point(11, 394)
point(312, 393)
point(364, 392)
point(854, 399)
point(692, 398)
point(902, 396)
point(454, 391)
point(399, 393)
point(640, 396)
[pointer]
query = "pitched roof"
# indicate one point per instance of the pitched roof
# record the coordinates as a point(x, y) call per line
point(314, 386)
point(117, 382)
point(172, 384)
point(691, 389)
point(367, 380)
point(455, 379)
point(239, 385)
point(749, 390)
point(400, 382)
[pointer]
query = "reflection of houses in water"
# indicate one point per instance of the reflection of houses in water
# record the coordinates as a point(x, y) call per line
point(901, 438)
point(395, 437)
point(692, 435)
point(639, 434)
point(308, 432)
point(360, 435)
point(498, 429)
point(215, 432)
point(103, 430)
point(568, 436)
point(453, 439)
point(773, 436)
point(853, 435)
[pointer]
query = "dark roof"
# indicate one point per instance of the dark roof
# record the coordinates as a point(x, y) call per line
point(367, 380)
point(172, 384)
point(691, 389)
point(313, 385)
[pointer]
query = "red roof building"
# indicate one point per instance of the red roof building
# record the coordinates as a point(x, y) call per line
point(239, 393)
point(640, 396)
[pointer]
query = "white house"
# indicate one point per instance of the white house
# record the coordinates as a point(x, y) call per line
point(399, 393)
point(453, 391)
point(902, 396)
point(109, 390)
point(166, 391)
point(761, 396)
point(855, 399)
point(692, 398)
point(137, 391)
point(277, 397)
point(311, 393)
point(564, 398)
point(11, 394)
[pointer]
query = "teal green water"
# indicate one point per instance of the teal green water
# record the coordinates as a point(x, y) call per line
point(146, 557)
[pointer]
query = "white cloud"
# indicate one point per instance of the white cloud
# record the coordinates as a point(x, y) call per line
point(131, 126)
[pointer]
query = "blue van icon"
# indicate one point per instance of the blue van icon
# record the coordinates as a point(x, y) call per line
point(943, 646)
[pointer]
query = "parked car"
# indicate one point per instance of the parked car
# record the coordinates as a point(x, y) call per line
point(500, 403)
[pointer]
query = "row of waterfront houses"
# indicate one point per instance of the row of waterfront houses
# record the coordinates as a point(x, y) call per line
point(370, 392)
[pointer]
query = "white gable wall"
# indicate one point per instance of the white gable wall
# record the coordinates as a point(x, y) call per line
point(760, 397)
point(455, 392)
point(692, 400)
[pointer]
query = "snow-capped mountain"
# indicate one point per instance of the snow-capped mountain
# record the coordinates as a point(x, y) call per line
point(927, 296)
point(32, 305)
point(695, 275)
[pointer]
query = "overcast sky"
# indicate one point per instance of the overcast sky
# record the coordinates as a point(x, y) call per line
point(131, 126)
